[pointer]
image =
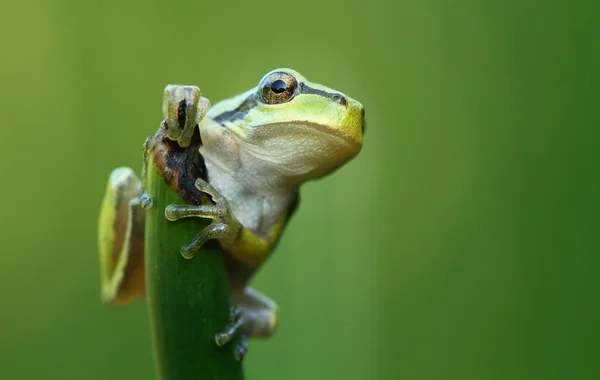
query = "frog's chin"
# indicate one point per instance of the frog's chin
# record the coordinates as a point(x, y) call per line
point(289, 154)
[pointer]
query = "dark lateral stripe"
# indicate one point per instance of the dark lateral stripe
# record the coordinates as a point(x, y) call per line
point(335, 96)
point(239, 112)
point(306, 89)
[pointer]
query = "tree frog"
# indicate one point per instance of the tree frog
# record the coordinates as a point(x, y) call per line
point(256, 148)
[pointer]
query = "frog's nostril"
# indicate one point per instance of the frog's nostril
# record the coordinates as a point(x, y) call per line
point(339, 98)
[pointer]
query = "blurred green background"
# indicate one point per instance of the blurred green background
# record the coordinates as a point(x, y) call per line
point(462, 243)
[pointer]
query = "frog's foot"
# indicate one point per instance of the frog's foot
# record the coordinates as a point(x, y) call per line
point(256, 316)
point(143, 201)
point(224, 225)
point(183, 108)
point(233, 332)
point(233, 329)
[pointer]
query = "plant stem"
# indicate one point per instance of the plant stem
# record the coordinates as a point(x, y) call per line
point(189, 300)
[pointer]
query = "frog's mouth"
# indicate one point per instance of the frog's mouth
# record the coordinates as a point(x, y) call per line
point(297, 151)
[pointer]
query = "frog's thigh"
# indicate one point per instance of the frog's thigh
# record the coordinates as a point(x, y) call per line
point(260, 313)
point(121, 239)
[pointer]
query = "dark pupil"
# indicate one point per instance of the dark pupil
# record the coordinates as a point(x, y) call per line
point(278, 86)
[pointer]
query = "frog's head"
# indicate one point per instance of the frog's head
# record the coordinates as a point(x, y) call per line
point(290, 129)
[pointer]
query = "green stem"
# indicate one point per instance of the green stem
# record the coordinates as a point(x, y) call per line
point(189, 300)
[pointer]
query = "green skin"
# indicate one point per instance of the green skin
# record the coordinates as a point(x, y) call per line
point(258, 148)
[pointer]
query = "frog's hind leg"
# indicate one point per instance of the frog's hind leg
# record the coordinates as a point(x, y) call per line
point(256, 316)
point(260, 313)
point(121, 238)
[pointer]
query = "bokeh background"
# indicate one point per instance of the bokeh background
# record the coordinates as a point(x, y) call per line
point(462, 243)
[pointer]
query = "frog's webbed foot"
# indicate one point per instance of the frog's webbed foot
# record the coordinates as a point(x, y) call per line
point(224, 226)
point(183, 108)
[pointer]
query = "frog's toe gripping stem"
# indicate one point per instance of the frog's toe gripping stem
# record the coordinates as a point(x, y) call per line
point(233, 331)
point(255, 316)
point(213, 231)
point(176, 212)
point(241, 348)
point(207, 188)
point(224, 226)
point(183, 108)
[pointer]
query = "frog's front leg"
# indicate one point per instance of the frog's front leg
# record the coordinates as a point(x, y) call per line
point(225, 227)
point(256, 315)
point(183, 108)
point(121, 238)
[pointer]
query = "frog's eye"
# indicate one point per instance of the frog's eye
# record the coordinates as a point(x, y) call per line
point(278, 88)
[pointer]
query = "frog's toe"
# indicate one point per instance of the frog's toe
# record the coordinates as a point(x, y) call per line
point(145, 201)
point(232, 330)
point(176, 212)
point(213, 231)
point(207, 188)
point(241, 347)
